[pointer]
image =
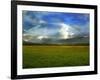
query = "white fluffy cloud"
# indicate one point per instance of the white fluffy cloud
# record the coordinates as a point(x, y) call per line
point(62, 31)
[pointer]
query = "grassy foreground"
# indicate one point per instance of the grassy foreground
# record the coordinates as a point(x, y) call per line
point(55, 56)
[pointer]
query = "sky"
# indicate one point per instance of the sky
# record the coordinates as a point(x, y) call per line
point(38, 25)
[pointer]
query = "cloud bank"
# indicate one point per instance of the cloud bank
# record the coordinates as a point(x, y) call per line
point(38, 26)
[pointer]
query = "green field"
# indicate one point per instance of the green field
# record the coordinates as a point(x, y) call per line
point(38, 56)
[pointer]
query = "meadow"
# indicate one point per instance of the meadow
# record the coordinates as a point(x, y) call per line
point(38, 56)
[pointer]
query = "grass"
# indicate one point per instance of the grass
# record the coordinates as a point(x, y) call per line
point(54, 56)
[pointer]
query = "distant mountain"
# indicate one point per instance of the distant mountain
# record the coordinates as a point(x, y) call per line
point(76, 40)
